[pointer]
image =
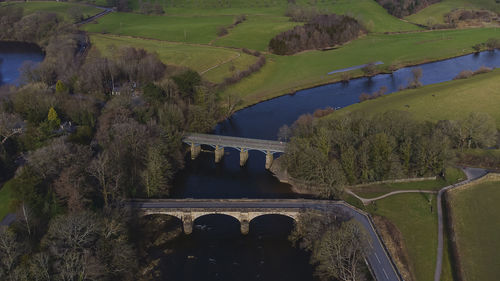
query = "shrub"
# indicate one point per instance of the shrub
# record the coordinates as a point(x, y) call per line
point(483, 69)
point(464, 74)
point(369, 69)
point(222, 30)
point(323, 112)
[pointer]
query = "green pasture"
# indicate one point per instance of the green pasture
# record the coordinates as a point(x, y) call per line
point(199, 58)
point(287, 74)
point(435, 13)
point(412, 215)
point(256, 32)
point(365, 10)
point(476, 219)
point(60, 8)
point(452, 100)
point(187, 29)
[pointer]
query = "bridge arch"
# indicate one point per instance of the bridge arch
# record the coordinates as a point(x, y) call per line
point(292, 215)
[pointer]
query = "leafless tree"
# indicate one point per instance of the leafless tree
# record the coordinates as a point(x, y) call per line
point(10, 125)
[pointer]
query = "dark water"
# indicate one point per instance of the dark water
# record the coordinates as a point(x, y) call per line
point(12, 57)
point(216, 250)
point(202, 178)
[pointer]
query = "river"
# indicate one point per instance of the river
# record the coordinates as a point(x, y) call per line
point(12, 57)
point(216, 250)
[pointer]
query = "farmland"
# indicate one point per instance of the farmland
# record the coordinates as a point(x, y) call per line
point(476, 214)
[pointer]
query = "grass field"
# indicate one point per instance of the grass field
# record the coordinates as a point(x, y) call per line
point(60, 8)
point(476, 219)
point(189, 29)
point(411, 214)
point(364, 10)
point(5, 199)
point(286, 74)
point(450, 100)
point(435, 13)
point(199, 58)
point(256, 32)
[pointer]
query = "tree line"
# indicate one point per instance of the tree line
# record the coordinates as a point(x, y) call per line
point(321, 31)
point(331, 153)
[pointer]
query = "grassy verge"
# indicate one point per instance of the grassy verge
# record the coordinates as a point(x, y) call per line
point(450, 100)
point(199, 58)
point(60, 8)
point(476, 217)
point(453, 175)
point(435, 13)
point(5, 199)
point(411, 215)
point(286, 74)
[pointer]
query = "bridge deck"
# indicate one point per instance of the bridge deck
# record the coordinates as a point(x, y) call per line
point(235, 142)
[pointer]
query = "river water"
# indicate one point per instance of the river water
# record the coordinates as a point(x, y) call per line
point(216, 250)
point(12, 57)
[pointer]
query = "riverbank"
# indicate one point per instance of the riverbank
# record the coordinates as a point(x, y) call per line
point(287, 74)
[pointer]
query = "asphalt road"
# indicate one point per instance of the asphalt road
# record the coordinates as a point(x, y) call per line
point(378, 258)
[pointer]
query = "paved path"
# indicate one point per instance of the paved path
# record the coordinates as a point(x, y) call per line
point(101, 14)
point(378, 258)
point(367, 201)
point(472, 175)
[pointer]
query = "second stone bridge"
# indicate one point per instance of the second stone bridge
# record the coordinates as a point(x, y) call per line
point(241, 144)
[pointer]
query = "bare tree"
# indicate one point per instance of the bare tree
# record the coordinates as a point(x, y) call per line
point(340, 252)
point(10, 125)
point(101, 169)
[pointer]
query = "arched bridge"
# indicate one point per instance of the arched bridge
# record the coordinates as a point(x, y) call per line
point(245, 210)
point(242, 144)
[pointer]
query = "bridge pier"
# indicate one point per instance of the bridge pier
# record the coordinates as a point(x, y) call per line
point(195, 150)
point(244, 223)
point(187, 223)
point(219, 153)
point(243, 157)
point(269, 159)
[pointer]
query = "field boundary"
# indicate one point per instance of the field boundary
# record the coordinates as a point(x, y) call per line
point(458, 266)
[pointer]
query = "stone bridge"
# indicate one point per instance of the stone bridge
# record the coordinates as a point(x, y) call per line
point(245, 210)
point(244, 217)
point(192, 209)
point(241, 144)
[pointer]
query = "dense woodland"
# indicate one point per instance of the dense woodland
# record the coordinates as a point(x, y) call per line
point(403, 8)
point(334, 152)
point(321, 31)
point(83, 133)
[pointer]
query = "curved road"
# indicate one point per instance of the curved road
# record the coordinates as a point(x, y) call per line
point(378, 258)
